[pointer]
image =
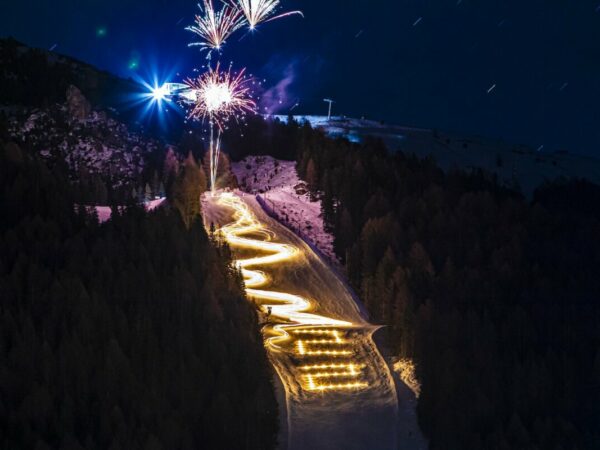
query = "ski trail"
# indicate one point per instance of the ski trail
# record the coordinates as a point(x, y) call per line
point(339, 391)
point(316, 335)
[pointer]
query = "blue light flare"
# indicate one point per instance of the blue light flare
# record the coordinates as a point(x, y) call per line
point(155, 100)
point(160, 93)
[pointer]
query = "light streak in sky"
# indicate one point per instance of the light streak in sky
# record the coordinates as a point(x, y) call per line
point(214, 27)
point(258, 11)
point(327, 344)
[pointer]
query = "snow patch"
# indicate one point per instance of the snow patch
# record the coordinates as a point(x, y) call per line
point(105, 212)
point(514, 165)
point(405, 367)
point(287, 196)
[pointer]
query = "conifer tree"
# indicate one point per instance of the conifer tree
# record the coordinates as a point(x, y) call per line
point(187, 190)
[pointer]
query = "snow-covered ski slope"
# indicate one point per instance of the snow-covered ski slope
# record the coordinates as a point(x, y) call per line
point(278, 184)
point(339, 390)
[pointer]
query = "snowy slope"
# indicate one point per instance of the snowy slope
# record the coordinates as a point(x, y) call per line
point(105, 212)
point(513, 164)
point(353, 419)
point(278, 184)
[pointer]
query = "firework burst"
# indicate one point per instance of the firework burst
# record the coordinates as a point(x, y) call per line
point(220, 96)
point(214, 27)
point(258, 11)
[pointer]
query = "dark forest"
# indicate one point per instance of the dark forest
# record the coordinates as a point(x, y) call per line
point(495, 296)
point(133, 334)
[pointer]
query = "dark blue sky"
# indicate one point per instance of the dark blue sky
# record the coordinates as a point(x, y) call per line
point(369, 55)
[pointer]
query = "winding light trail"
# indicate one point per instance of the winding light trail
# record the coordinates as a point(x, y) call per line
point(320, 344)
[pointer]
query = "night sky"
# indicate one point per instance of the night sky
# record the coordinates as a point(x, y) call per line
point(420, 63)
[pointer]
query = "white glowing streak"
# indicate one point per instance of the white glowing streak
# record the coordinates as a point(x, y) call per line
point(215, 155)
point(257, 11)
point(214, 27)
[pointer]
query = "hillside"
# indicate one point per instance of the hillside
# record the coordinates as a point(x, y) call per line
point(32, 77)
point(492, 297)
point(93, 144)
point(287, 196)
point(76, 115)
point(514, 165)
point(130, 333)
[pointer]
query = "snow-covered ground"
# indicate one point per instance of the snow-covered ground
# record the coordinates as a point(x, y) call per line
point(353, 418)
point(278, 184)
point(409, 432)
point(513, 164)
point(283, 192)
point(105, 212)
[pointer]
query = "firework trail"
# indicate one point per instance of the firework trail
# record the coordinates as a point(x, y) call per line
point(214, 27)
point(219, 96)
point(258, 11)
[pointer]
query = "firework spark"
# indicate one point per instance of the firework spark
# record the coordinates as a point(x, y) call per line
point(220, 96)
point(258, 11)
point(214, 27)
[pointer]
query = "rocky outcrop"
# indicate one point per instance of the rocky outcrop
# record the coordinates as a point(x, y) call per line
point(98, 146)
point(79, 107)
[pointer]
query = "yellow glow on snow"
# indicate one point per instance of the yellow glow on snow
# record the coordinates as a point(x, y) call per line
point(326, 345)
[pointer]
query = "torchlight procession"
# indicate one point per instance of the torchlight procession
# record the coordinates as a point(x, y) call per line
point(307, 334)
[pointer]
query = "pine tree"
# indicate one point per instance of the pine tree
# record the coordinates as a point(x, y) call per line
point(384, 286)
point(155, 183)
point(203, 179)
point(187, 189)
point(227, 177)
point(141, 195)
point(100, 191)
point(346, 232)
point(311, 175)
point(170, 168)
